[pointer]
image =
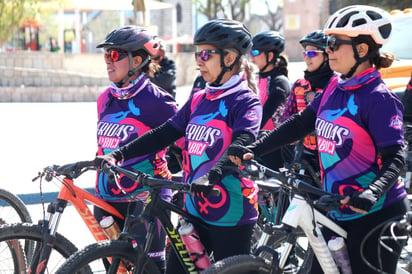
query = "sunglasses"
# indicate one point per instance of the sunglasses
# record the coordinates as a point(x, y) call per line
point(255, 52)
point(334, 43)
point(312, 53)
point(204, 54)
point(115, 55)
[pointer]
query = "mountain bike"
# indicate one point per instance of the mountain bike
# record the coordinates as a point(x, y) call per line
point(126, 249)
point(273, 201)
point(300, 164)
point(405, 224)
point(13, 210)
point(50, 247)
point(303, 215)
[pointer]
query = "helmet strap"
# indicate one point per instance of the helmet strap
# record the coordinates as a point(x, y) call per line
point(359, 61)
point(132, 70)
point(224, 68)
point(273, 61)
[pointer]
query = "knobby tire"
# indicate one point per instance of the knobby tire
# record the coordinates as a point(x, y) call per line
point(27, 232)
point(93, 255)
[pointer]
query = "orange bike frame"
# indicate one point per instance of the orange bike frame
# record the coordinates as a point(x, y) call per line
point(78, 197)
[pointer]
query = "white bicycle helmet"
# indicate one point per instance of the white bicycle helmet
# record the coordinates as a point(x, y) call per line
point(360, 20)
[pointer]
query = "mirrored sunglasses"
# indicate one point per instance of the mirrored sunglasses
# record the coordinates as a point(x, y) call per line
point(115, 55)
point(333, 43)
point(204, 54)
point(255, 52)
point(312, 53)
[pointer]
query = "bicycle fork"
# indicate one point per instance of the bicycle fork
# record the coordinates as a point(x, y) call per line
point(49, 225)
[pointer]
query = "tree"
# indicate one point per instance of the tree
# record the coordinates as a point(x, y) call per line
point(15, 12)
point(274, 17)
point(231, 9)
point(12, 13)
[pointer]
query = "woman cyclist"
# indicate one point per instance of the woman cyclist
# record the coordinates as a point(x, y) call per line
point(273, 85)
point(128, 108)
point(227, 111)
point(316, 76)
point(358, 123)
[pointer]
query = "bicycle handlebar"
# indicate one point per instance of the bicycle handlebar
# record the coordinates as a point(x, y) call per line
point(71, 171)
point(156, 183)
point(327, 200)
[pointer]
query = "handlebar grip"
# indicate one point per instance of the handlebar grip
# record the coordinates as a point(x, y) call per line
point(130, 174)
point(215, 192)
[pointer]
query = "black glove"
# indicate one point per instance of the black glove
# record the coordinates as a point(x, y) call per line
point(215, 176)
point(329, 202)
point(112, 158)
point(363, 200)
point(202, 187)
point(238, 151)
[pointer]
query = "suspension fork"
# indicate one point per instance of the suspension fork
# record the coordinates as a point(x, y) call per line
point(50, 224)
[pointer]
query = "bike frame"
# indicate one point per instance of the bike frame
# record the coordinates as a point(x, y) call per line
point(301, 214)
point(159, 209)
point(69, 192)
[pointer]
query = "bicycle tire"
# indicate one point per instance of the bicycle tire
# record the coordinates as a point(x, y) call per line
point(13, 210)
point(6, 214)
point(93, 255)
point(28, 232)
point(15, 260)
point(239, 264)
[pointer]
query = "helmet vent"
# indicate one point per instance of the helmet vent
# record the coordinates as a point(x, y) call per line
point(359, 22)
point(374, 15)
point(345, 19)
point(385, 30)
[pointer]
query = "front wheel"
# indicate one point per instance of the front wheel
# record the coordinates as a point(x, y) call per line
point(109, 257)
point(240, 264)
point(31, 235)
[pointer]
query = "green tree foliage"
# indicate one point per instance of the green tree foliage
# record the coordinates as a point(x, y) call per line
point(12, 13)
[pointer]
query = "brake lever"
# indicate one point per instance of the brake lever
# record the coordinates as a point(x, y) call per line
point(251, 170)
point(329, 202)
point(202, 184)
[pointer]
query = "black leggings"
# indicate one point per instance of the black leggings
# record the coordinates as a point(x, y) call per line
point(223, 241)
point(359, 228)
point(157, 248)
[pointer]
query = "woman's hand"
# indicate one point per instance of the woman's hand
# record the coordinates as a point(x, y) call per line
point(360, 202)
point(237, 154)
point(113, 158)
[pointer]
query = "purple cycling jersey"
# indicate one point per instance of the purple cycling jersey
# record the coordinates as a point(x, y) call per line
point(209, 123)
point(356, 118)
point(121, 120)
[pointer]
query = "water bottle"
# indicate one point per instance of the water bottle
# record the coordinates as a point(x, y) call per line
point(340, 254)
point(194, 246)
point(112, 231)
point(110, 227)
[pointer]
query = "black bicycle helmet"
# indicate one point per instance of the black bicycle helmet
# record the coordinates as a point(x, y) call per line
point(315, 38)
point(269, 41)
point(131, 38)
point(224, 34)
